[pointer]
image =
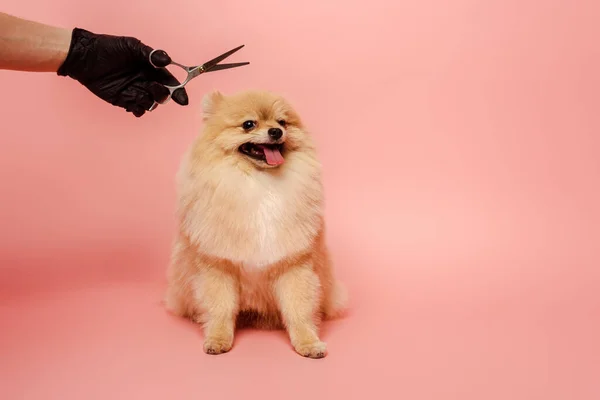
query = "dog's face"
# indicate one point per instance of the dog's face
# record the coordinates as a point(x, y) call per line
point(257, 127)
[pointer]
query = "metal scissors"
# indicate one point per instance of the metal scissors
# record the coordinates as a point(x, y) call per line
point(193, 72)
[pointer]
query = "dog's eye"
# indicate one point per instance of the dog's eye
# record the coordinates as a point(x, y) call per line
point(247, 125)
point(282, 122)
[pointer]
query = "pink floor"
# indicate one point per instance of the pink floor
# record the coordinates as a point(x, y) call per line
point(460, 146)
point(499, 324)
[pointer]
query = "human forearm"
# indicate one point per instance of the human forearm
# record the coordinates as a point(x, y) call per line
point(31, 46)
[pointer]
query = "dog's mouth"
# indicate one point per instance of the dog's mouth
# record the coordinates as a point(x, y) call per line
point(265, 152)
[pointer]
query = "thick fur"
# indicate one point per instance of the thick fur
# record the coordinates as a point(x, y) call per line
point(250, 249)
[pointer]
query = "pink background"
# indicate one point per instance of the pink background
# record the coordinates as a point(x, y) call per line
point(460, 146)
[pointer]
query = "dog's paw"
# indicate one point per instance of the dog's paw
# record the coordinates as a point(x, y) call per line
point(312, 350)
point(215, 345)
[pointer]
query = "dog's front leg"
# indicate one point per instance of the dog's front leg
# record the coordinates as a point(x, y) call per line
point(216, 292)
point(298, 293)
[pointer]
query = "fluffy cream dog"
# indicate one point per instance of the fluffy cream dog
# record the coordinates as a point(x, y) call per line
point(250, 247)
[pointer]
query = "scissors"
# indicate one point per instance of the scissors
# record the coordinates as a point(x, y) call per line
point(193, 72)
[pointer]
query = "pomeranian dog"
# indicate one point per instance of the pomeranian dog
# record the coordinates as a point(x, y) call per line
point(250, 248)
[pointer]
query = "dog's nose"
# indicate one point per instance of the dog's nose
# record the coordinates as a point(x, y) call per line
point(275, 133)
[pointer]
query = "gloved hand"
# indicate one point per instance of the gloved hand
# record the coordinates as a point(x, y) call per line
point(117, 69)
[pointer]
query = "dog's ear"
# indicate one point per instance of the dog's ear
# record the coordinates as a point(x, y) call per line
point(210, 103)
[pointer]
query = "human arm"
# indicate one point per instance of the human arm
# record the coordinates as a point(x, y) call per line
point(117, 69)
point(32, 46)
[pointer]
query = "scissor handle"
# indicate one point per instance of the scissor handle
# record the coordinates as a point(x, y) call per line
point(153, 63)
point(192, 72)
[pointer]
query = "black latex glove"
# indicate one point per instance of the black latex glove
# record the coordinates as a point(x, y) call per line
point(117, 69)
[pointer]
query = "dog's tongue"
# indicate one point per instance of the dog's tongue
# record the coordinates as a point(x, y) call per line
point(273, 156)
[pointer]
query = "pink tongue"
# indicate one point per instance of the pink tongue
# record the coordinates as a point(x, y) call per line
point(273, 157)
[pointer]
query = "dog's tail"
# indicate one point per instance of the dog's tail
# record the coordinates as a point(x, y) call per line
point(337, 303)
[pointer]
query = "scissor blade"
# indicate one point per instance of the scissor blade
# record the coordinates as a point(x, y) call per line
point(209, 64)
point(219, 67)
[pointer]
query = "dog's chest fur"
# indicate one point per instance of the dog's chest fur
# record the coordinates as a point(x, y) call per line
point(255, 220)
